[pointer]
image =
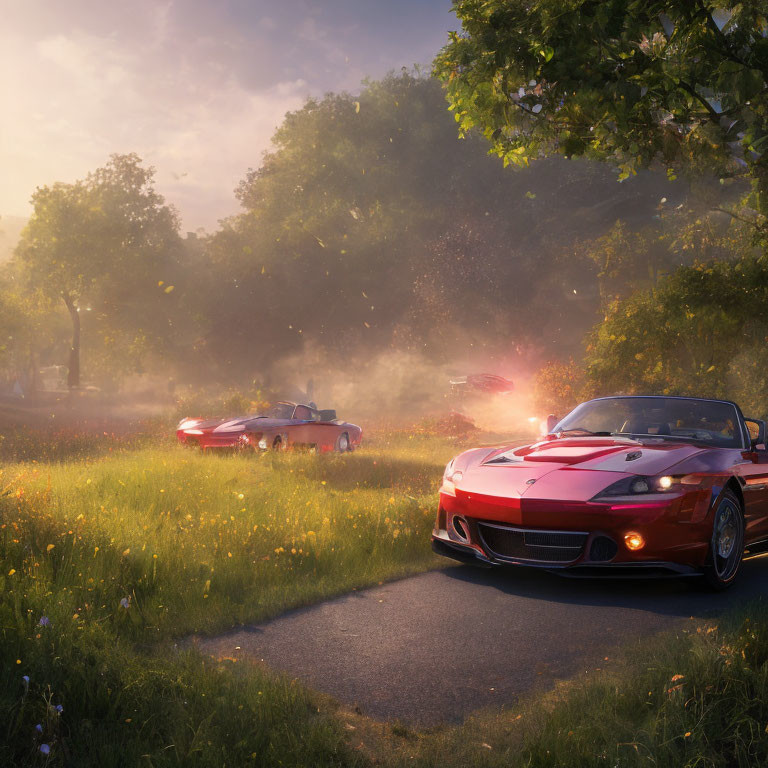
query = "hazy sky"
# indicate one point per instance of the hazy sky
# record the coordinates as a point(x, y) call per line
point(195, 87)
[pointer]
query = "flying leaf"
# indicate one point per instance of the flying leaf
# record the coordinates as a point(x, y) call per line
point(357, 107)
point(168, 288)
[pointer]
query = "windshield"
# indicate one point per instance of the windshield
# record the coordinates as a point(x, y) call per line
point(672, 418)
point(279, 411)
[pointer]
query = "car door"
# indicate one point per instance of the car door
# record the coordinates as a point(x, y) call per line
point(327, 429)
point(754, 471)
point(321, 432)
point(300, 430)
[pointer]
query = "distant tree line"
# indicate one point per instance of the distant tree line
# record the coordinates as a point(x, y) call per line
point(368, 226)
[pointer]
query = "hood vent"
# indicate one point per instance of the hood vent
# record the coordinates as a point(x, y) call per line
point(633, 455)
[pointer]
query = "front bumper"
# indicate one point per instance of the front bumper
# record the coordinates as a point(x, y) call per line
point(576, 538)
point(442, 545)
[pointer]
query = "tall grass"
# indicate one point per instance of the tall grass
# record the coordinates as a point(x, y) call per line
point(695, 699)
point(108, 558)
point(103, 558)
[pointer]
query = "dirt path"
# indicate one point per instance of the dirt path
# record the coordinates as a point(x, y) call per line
point(436, 647)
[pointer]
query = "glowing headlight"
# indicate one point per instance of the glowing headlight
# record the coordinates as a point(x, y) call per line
point(639, 484)
point(634, 541)
point(193, 431)
point(450, 478)
point(186, 423)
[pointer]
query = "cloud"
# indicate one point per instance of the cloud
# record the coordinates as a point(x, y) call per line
point(195, 87)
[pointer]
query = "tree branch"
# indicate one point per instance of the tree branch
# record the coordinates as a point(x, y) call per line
point(751, 222)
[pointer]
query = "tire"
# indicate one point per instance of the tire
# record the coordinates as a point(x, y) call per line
point(726, 547)
point(342, 443)
point(278, 445)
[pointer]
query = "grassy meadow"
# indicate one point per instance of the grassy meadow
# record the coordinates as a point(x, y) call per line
point(113, 549)
point(109, 555)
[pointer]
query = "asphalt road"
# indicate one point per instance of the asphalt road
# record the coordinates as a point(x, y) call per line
point(434, 648)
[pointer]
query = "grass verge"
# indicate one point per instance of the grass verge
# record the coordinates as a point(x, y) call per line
point(692, 699)
point(103, 559)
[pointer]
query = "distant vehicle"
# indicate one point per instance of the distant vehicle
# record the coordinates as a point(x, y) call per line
point(282, 426)
point(622, 486)
point(482, 384)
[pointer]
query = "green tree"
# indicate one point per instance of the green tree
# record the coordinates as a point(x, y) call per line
point(625, 261)
point(30, 325)
point(99, 245)
point(369, 225)
point(692, 335)
point(558, 387)
point(683, 82)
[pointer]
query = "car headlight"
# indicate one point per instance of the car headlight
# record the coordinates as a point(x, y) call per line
point(451, 476)
point(193, 431)
point(187, 423)
point(641, 484)
point(263, 444)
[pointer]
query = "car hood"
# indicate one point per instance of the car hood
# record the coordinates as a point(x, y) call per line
point(203, 424)
point(566, 468)
point(251, 424)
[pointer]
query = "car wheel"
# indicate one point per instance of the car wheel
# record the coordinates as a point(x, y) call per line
point(342, 443)
point(278, 444)
point(726, 548)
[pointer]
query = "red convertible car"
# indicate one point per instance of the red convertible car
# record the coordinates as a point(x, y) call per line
point(481, 384)
point(284, 425)
point(622, 486)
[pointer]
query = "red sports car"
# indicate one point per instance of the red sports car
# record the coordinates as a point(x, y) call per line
point(621, 486)
point(284, 425)
point(481, 384)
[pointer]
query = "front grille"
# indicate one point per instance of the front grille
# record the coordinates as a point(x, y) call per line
point(540, 546)
point(602, 549)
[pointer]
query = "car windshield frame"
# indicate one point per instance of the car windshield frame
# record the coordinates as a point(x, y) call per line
point(739, 440)
point(269, 412)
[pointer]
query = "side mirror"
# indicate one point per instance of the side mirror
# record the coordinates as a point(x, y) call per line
point(551, 422)
point(756, 429)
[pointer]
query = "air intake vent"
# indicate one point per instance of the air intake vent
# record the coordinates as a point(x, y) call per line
point(536, 546)
point(602, 549)
point(460, 527)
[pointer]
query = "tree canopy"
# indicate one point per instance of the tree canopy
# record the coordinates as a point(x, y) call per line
point(680, 82)
point(368, 229)
point(100, 245)
point(369, 225)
